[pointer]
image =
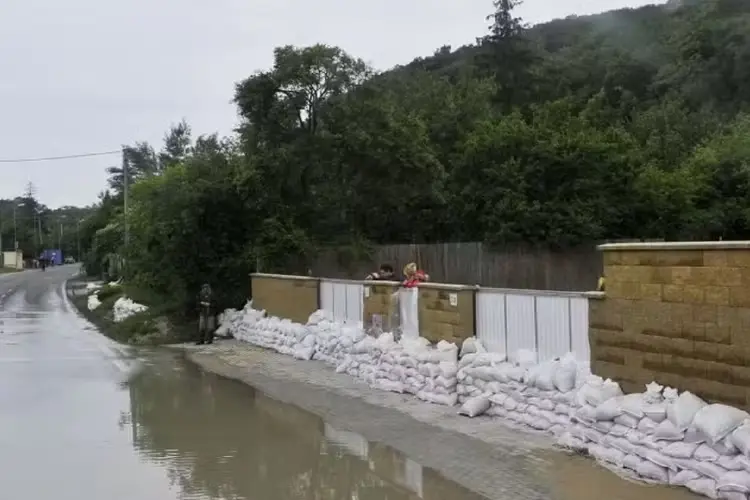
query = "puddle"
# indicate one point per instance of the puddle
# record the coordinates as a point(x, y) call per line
point(220, 438)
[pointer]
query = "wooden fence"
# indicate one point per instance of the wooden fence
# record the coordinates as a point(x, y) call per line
point(518, 266)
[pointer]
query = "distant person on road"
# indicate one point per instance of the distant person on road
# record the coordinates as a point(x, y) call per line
point(384, 274)
point(413, 276)
point(43, 264)
point(206, 319)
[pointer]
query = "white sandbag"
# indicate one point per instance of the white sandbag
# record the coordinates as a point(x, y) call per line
point(680, 449)
point(595, 391)
point(304, 353)
point(703, 486)
point(627, 421)
point(725, 447)
point(682, 411)
point(609, 410)
point(565, 376)
point(681, 477)
point(709, 469)
point(632, 404)
point(736, 481)
point(632, 462)
point(731, 462)
point(731, 495)
point(650, 470)
point(661, 460)
point(705, 453)
point(717, 421)
point(667, 431)
point(647, 426)
point(585, 414)
point(390, 386)
point(567, 440)
point(741, 438)
point(471, 345)
point(656, 412)
point(475, 407)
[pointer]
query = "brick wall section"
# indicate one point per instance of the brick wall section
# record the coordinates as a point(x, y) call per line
point(291, 297)
point(676, 313)
point(379, 301)
point(439, 320)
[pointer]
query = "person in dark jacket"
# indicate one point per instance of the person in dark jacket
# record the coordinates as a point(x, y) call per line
point(206, 319)
point(384, 274)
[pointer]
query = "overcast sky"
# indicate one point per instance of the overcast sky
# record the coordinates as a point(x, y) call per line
point(80, 76)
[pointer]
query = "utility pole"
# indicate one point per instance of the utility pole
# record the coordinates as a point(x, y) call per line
point(78, 240)
point(15, 227)
point(125, 194)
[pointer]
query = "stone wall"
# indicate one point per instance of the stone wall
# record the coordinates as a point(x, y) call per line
point(446, 312)
point(677, 313)
point(292, 297)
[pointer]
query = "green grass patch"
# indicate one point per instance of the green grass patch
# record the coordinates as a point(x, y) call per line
point(159, 325)
point(8, 270)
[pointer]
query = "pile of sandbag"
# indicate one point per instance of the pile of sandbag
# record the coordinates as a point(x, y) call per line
point(520, 390)
point(283, 336)
point(93, 302)
point(364, 361)
point(662, 437)
point(439, 368)
point(242, 325)
point(333, 341)
point(125, 308)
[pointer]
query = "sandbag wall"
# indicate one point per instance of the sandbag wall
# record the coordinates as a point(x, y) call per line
point(657, 436)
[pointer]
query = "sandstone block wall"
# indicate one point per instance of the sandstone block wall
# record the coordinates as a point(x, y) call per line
point(292, 297)
point(442, 319)
point(676, 313)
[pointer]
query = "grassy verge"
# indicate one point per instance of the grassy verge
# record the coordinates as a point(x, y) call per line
point(159, 325)
point(8, 270)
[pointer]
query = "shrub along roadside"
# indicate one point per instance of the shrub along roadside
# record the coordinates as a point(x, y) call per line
point(158, 325)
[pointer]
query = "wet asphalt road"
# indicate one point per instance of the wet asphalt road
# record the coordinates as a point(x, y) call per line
point(62, 400)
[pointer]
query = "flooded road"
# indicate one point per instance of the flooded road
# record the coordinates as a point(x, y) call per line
point(82, 418)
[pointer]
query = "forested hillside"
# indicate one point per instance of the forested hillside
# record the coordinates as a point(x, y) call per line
point(628, 124)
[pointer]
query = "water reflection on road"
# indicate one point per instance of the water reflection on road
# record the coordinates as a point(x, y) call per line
point(220, 439)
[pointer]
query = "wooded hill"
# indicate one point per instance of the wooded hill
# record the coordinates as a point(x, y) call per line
point(628, 124)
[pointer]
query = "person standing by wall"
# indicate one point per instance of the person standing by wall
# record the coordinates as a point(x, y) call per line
point(413, 276)
point(385, 273)
point(206, 318)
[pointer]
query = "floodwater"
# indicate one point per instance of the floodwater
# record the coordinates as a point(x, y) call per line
point(82, 418)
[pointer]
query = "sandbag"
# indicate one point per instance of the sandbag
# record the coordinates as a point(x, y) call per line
point(680, 449)
point(741, 438)
point(682, 477)
point(609, 410)
point(475, 407)
point(717, 421)
point(667, 431)
point(682, 411)
point(703, 486)
point(736, 481)
point(649, 470)
point(565, 376)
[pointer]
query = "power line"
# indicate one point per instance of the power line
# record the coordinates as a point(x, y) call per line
point(53, 158)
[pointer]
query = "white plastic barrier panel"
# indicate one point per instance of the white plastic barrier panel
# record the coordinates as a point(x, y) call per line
point(550, 323)
point(408, 302)
point(343, 299)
